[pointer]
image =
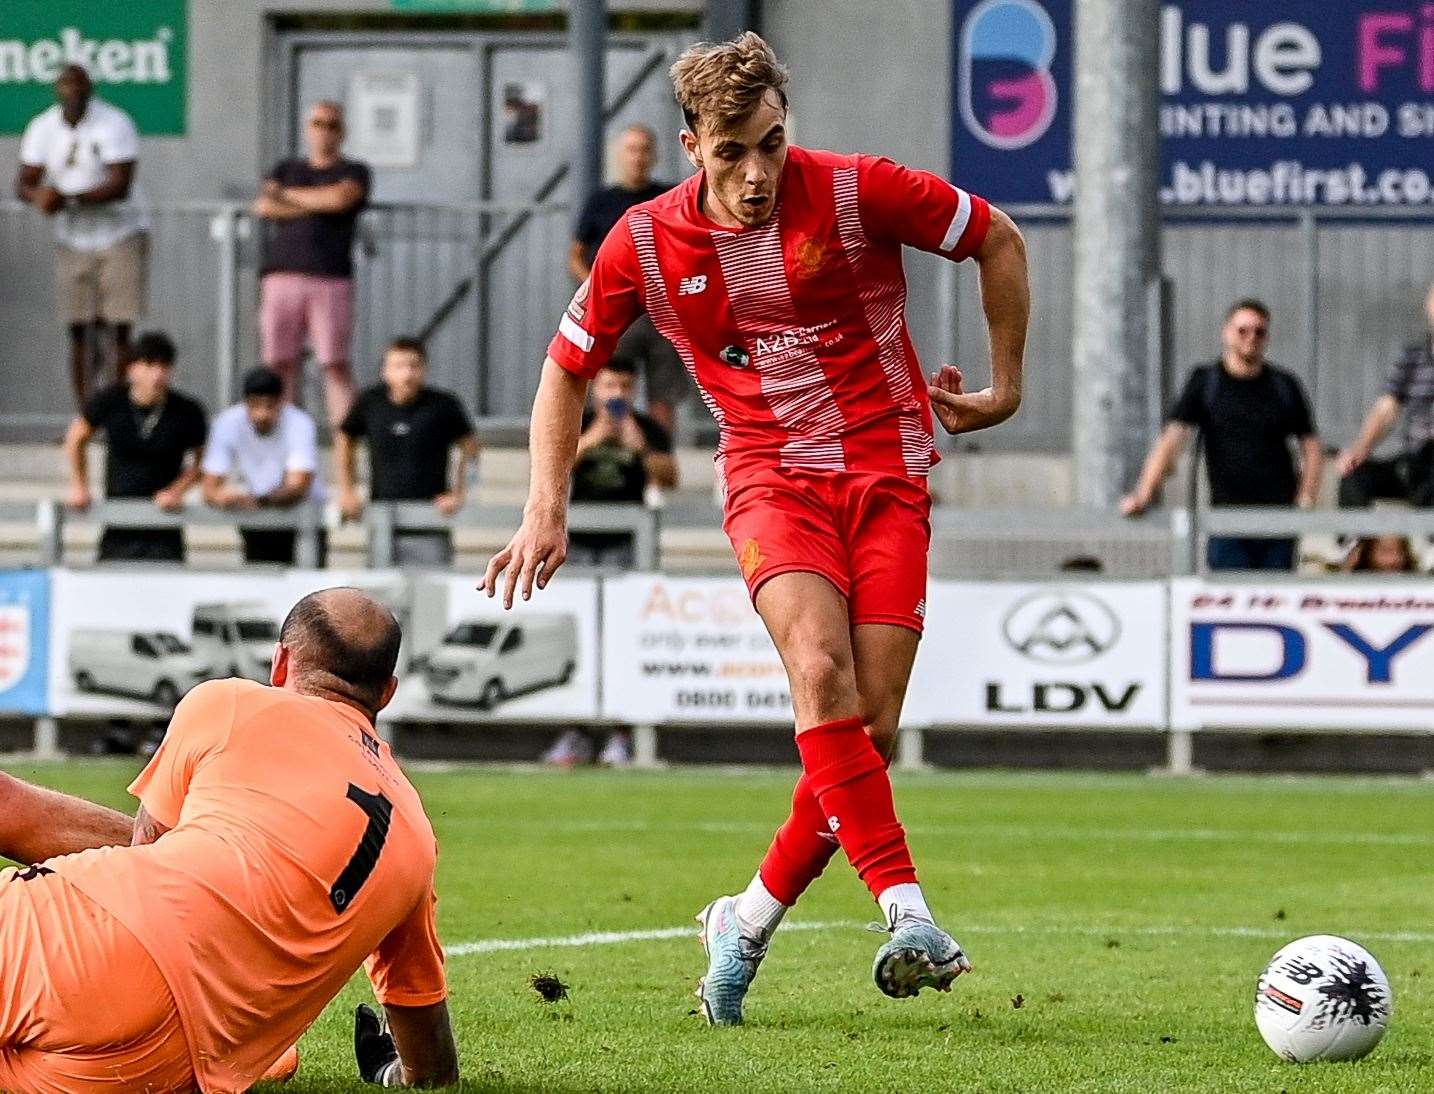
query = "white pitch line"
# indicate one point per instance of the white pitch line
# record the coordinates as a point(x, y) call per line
point(615, 938)
point(601, 938)
point(1134, 835)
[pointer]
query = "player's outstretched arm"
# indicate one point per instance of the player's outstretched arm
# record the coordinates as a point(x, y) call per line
point(539, 546)
point(37, 823)
point(1006, 298)
point(412, 1046)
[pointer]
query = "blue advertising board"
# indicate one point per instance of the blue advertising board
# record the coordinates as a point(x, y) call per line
point(1281, 102)
point(24, 641)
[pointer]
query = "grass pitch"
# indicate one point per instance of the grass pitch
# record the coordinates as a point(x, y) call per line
point(1117, 925)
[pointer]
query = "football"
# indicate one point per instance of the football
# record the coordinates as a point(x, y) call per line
point(1323, 998)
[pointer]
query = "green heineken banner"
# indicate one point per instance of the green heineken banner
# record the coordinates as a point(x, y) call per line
point(133, 50)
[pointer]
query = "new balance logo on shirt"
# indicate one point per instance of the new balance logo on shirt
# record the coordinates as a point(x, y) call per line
point(691, 286)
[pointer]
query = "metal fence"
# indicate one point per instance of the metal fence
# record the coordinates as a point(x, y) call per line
point(489, 279)
point(1346, 288)
point(483, 282)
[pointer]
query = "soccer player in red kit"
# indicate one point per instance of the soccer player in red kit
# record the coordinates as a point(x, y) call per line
point(776, 273)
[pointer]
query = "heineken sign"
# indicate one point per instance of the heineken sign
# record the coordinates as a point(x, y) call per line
point(134, 52)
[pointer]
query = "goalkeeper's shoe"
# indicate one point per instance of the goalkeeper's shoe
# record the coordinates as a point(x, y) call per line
point(732, 960)
point(374, 1050)
point(918, 955)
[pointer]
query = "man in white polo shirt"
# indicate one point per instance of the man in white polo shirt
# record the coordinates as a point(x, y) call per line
point(77, 165)
point(263, 454)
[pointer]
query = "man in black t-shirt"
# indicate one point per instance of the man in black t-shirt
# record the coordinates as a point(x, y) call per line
point(1245, 411)
point(155, 439)
point(635, 151)
point(313, 205)
point(411, 431)
point(620, 451)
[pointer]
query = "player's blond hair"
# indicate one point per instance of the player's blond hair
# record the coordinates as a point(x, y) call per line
point(721, 83)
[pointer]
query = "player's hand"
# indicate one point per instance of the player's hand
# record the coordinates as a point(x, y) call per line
point(170, 499)
point(448, 503)
point(531, 558)
point(350, 504)
point(78, 498)
point(1349, 461)
point(373, 1047)
point(960, 411)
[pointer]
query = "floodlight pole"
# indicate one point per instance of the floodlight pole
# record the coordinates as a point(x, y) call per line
point(587, 37)
point(1117, 241)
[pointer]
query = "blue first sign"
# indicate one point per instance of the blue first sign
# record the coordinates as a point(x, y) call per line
point(1286, 102)
point(24, 641)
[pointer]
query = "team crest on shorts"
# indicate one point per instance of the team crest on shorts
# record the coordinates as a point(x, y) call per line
point(749, 557)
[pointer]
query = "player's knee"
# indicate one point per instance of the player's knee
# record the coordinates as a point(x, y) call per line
point(823, 675)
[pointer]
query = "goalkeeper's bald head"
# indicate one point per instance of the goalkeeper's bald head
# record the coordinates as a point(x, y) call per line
point(340, 643)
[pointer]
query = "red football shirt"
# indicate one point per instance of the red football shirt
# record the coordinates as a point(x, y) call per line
point(794, 331)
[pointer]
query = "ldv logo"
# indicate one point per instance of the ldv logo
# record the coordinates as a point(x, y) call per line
point(1006, 91)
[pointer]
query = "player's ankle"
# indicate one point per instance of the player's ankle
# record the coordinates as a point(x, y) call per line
point(904, 904)
point(759, 913)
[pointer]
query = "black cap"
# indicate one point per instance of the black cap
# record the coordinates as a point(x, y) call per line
point(262, 381)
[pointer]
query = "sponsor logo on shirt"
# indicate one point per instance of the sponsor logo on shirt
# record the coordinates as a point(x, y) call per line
point(785, 342)
point(691, 286)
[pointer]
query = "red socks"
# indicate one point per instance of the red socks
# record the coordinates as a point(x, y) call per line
point(847, 777)
point(801, 848)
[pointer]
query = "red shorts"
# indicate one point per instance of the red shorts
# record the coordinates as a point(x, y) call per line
point(865, 532)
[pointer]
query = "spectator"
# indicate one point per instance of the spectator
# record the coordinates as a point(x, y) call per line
point(411, 430)
point(155, 440)
point(1245, 410)
point(307, 282)
point(635, 152)
point(77, 164)
point(1410, 475)
point(620, 452)
point(270, 446)
point(1382, 555)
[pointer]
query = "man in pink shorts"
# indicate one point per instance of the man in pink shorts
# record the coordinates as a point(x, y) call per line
point(313, 204)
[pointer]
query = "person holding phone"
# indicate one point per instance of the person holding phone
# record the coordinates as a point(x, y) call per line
point(620, 453)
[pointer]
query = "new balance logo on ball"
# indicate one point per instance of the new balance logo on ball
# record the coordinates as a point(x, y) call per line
point(691, 286)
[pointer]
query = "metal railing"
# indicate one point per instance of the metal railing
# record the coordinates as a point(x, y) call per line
point(382, 522)
point(1024, 541)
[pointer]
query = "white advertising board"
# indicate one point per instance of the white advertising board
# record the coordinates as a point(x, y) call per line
point(466, 659)
point(1329, 655)
point(1088, 654)
point(688, 649)
point(134, 642)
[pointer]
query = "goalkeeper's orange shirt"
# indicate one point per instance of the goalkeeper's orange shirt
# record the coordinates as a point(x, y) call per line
point(298, 851)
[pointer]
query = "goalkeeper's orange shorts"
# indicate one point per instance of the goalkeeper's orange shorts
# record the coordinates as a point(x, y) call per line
point(82, 1005)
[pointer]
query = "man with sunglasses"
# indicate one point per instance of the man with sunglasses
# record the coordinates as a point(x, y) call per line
point(77, 166)
point(306, 291)
point(1245, 410)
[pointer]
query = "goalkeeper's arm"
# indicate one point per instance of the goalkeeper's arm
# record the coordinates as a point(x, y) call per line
point(412, 1047)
